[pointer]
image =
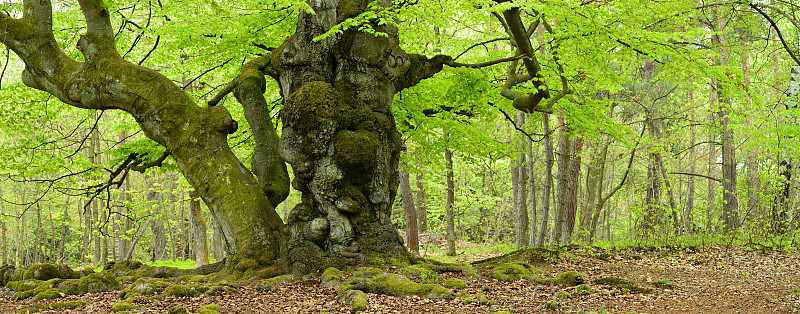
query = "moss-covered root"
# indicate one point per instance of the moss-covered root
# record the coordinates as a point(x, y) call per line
point(266, 285)
point(356, 299)
point(374, 280)
point(571, 278)
point(513, 271)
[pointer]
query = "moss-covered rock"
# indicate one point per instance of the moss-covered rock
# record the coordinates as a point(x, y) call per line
point(51, 293)
point(49, 271)
point(454, 283)
point(331, 277)
point(563, 295)
point(571, 278)
point(177, 310)
point(24, 285)
point(142, 287)
point(513, 271)
point(266, 285)
point(194, 278)
point(208, 309)
point(552, 305)
point(6, 274)
point(68, 305)
point(123, 306)
point(584, 289)
point(357, 300)
point(180, 291)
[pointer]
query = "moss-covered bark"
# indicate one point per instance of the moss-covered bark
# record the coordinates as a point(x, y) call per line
point(339, 134)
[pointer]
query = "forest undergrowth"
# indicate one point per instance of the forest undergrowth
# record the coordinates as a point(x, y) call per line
point(572, 279)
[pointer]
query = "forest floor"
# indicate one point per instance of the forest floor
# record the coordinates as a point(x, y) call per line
point(712, 279)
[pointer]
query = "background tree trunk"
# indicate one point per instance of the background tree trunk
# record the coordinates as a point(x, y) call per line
point(199, 226)
point(520, 206)
point(450, 203)
point(412, 236)
point(548, 180)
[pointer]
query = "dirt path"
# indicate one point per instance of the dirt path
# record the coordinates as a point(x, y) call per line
point(711, 281)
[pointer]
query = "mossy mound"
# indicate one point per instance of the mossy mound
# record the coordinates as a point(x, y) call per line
point(208, 309)
point(142, 287)
point(177, 310)
point(180, 291)
point(24, 285)
point(454, 283)
point(513, 271)
point(266, 285)
point(123, 306)
point(356, 299)
point(331, 277)
point(95, 282)
point(374, 280)
point(67, 305)
point(571, 278)
point(49, 271)
point(51, 293)
point(584, 289)
point(563, 295)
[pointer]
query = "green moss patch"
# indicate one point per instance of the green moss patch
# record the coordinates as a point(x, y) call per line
point(331, 277)
point(563, 295)
point(123, 306)
point(454, 283)
point(513, 271)
point(208, 309)
point(180, 291)
point(142, 287)
point(552, 305)
point(177, 310)
point(535, 256)
point(68, 305)
point(571, 278)
point(584, 289)
point(51, 293)
point(357, 300)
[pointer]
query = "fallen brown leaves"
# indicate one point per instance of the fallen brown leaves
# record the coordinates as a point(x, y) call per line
point(711, 280)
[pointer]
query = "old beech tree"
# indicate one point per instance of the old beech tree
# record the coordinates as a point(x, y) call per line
point(338, 134)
